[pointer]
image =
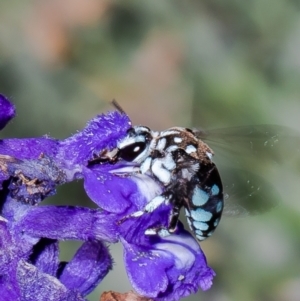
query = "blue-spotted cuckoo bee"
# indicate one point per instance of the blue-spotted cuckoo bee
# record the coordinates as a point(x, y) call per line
point(182, 163)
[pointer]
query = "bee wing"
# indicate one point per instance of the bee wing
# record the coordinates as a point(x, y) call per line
point(243, 152)
point(273, 143)
point(247, 193)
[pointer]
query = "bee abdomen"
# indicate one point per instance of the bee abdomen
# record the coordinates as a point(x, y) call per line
point(205, 205)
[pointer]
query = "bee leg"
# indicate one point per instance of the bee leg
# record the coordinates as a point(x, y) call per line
point(150, 207)
point(160, 231)
point(173, 218)
point(172, 224)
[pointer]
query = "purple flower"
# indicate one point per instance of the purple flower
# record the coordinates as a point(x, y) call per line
point(36, 278)
point(159, 267)
point(29, 256)
point(7, 111)
point(169, 269)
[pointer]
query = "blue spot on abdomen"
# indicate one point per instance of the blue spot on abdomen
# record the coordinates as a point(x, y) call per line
point(200, 197)
point(215, 190)
point(201, 215)
point(200, 226)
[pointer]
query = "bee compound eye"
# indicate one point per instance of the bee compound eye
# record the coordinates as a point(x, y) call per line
point(132, 151)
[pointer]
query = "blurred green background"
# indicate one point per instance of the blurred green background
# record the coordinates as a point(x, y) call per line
point(187, 63)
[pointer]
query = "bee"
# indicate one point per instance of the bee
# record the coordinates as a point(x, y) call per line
point(182, 163)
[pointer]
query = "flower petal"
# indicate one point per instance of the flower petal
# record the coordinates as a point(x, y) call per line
point(146, 270)
point(102, 132)
point(109, 192)
point(172, 268)
point(87, 268)
point(30, 148)
point(45, 256)
point(35, 285)
point(7, 111)
point(62, 222)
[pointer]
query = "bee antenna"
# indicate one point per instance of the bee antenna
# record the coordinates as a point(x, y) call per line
point(117, 106)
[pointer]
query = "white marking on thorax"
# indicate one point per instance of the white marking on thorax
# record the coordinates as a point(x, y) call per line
point(172, 148)
point(145, 166)
point(168, 133)
point(161, 144)
point(168, 162)
point(177, 139)
point(190, 149)
point(160, 172)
